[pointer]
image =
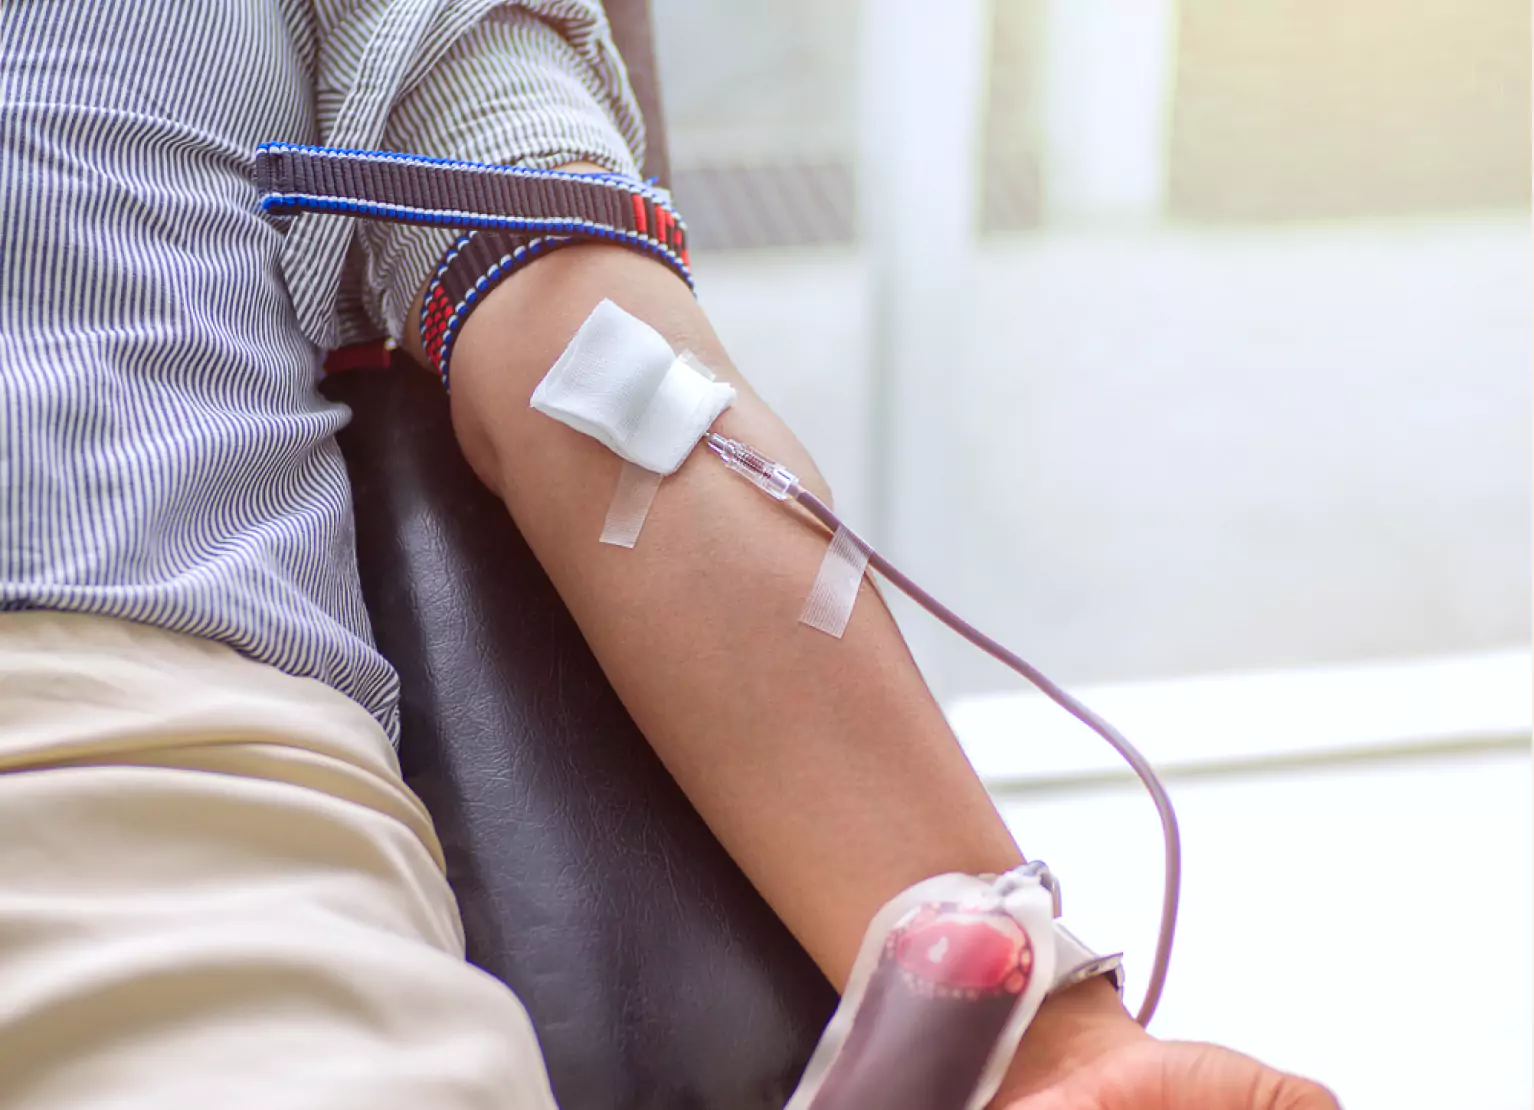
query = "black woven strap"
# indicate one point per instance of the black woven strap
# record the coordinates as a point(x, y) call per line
point(408, 188)
point(511, 214)
point(472, 267)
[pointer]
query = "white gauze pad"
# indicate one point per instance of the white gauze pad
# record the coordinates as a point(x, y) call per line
point(619, 382)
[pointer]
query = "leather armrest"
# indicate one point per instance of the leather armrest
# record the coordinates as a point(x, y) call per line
point(654, 973)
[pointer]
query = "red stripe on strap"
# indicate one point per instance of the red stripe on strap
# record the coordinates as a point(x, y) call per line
point(359, 356)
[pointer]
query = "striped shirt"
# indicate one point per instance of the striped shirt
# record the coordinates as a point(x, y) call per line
point(165, 456)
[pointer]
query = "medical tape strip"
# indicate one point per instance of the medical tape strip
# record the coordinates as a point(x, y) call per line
point(690, 359)
point(630, 505)
point(829, 604)
point(637, 487)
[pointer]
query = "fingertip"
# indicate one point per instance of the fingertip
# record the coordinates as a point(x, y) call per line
point(1306, 1094)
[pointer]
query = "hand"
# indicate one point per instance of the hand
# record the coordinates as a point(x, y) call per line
point(1083, 1052)
point(1156, 1075)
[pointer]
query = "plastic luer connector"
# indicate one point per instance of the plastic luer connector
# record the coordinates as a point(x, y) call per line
point(768, 476)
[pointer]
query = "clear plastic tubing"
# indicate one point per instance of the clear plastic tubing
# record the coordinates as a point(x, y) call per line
point(781, 484)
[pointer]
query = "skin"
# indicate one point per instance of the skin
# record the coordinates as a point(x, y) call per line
point(824, 766)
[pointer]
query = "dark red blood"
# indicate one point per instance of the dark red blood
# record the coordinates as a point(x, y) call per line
point(361, 356)
point(965, 950)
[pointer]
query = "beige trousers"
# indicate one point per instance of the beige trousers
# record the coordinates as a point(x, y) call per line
point(216, 891)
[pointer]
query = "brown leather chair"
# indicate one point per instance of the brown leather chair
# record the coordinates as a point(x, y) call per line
point(654, 973)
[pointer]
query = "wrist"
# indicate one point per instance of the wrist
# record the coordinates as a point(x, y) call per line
point(1071, 1030)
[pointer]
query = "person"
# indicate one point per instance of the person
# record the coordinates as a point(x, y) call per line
point(215, 889)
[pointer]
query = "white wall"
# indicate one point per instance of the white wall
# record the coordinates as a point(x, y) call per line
point(1189, 451)
point(1367, 925)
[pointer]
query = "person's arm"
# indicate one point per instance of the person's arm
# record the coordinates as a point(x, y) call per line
point(824, 766)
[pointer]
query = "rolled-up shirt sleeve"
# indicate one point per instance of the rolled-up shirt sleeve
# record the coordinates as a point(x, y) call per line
point(536, 83)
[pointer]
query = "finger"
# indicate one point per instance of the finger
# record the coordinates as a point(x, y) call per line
point(1303, 1094)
